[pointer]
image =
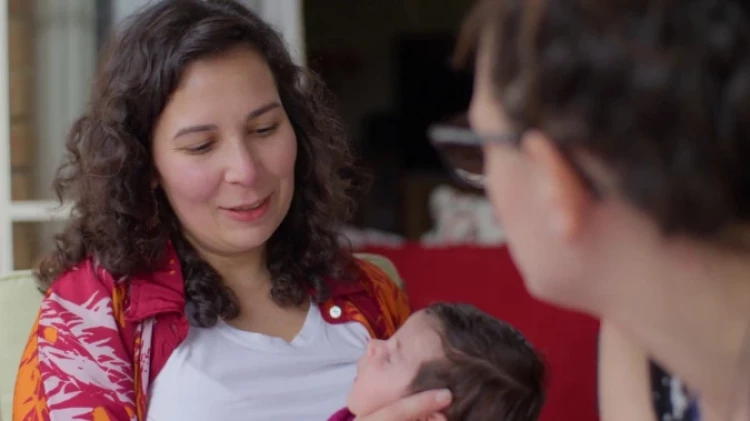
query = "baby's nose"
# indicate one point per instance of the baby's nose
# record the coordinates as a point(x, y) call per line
point(375, 348)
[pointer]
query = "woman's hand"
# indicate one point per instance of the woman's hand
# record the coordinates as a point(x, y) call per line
point(424, 405)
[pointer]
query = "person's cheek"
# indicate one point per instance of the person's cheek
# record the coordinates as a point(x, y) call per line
point(363, 396)
point(493, 180)
point(281, 154)
point(192, 182)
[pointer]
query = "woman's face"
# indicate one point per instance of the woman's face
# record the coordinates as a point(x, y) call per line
point(224, 151)
point(523, 188)
point(506, 169)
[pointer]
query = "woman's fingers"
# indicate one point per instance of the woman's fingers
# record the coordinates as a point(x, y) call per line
point(420, 405)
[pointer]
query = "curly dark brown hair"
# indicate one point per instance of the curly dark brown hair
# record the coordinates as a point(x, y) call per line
point(492, 371)
point(109, 165)
point(658, 90)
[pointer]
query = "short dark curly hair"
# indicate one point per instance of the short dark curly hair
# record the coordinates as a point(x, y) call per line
point(109, 165)
point(492, 371)
point(658, 90)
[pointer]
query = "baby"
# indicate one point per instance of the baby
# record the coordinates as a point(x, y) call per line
point(489, 367)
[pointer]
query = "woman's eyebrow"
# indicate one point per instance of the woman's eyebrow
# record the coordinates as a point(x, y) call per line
point(194, 129)
point(263, 109)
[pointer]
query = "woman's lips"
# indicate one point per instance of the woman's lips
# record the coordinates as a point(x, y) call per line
point(248, 213)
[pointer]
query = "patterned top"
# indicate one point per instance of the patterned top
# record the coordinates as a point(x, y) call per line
point(672, 402)
point(98, 342)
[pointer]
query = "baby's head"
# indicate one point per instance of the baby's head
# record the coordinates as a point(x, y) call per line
point(491, 370)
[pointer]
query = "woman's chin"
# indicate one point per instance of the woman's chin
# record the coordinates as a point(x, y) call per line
point(249, 237)
point(247, 245)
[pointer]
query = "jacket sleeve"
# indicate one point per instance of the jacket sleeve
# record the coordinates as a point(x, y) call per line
point(76, 364)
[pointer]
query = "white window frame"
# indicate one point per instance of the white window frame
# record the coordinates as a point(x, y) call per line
point(16, 211)
point(6, 220)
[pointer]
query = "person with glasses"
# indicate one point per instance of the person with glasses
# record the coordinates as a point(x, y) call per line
point(613, 139)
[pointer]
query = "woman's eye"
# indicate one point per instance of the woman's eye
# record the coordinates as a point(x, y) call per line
point(267, 130)
point(198, 149)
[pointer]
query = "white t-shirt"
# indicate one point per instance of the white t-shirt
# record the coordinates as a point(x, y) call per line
point(223, 373)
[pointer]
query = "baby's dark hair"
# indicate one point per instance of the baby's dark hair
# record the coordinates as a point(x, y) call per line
point(492, 371)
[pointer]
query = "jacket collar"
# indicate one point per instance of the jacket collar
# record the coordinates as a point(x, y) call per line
point(158, 292)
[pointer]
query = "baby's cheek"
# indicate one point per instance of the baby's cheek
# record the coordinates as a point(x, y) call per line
point(375, 392)
point(366, 395)
point(353, 400)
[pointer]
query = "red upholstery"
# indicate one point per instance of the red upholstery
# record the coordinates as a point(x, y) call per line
point(487, 278)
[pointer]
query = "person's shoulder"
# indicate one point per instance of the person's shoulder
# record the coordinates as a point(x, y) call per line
point(368, 295)
point(86, 282)
point(377, 272)
point(87, 296)
point(380, 278)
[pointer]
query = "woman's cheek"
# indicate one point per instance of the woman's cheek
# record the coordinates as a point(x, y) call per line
point(192, 184)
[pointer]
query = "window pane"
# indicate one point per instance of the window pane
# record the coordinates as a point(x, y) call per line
point(52, 47)
point(52, 50)
point(31, 241)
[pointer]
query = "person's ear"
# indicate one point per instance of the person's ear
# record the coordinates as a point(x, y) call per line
point(563, 193)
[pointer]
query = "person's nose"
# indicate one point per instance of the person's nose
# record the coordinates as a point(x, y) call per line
point(243, 166)
point(376, 349)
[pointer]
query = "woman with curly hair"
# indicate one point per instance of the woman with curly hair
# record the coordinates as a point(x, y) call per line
point(613, 140)
point(200, 276)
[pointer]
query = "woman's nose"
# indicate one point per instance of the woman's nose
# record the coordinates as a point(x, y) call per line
point(242, 166)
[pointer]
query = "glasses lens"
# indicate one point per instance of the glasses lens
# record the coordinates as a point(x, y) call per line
point(466, 161)
point(461, 151)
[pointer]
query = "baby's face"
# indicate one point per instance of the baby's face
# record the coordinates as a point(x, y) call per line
point(388, 367)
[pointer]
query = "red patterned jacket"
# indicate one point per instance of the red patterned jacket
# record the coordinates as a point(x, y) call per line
point(97, 344)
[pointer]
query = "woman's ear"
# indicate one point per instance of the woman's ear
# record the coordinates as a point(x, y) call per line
point(564, 195)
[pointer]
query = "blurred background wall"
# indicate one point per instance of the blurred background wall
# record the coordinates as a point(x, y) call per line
point(385, 61)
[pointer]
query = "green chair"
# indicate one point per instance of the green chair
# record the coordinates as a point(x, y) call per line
point(19, 305)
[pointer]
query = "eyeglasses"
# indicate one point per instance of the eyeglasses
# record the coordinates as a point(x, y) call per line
point(460, 150)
